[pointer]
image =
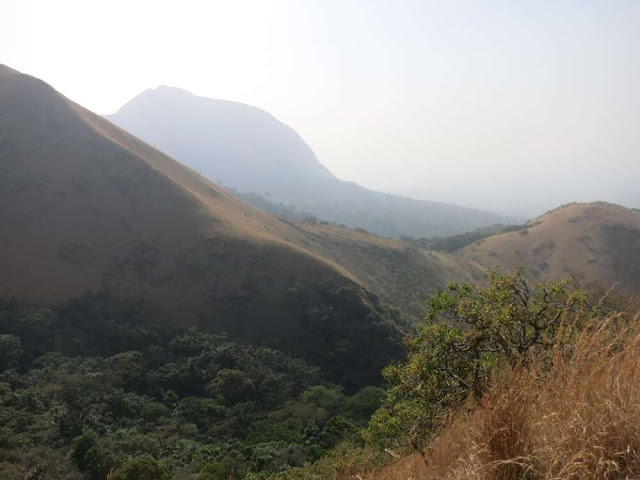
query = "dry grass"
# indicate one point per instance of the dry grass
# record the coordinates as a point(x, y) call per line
point(581, 420)
point(88, 207)
point(594, 240)
point(409, 468)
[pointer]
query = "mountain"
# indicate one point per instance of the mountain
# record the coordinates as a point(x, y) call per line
point(597, 241)
point(246, 148)
point(86, 207)
point(236, 144)
point(89, 208)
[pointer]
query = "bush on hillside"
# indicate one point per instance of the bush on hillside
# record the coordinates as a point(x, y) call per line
point(469, 333)
point(578, 419)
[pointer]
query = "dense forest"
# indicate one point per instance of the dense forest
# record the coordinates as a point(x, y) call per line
point(91, 389)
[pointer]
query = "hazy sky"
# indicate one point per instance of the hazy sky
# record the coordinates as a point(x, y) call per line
point(511, 105)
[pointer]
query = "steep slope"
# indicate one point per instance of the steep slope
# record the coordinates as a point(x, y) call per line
point(246, 148)
point(88, 207)
point(597, 241)
point(402, 274)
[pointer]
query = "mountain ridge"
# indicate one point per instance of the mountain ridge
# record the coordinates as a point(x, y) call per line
point(222, 140)
point(89, 208)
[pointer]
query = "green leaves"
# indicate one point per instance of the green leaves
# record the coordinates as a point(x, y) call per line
point(148, 402)
point(469, 332)
point(231, 386)
point(143, 468)
point(10, 351)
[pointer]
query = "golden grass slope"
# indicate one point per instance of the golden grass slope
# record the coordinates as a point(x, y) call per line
point(88, 207)
point(581, 420)
point(599, 242)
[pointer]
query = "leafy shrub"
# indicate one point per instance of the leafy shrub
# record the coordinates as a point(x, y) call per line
point(143, 468)
point(469, 333)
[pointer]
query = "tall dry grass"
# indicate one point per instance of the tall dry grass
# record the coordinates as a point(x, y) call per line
point(578, 419)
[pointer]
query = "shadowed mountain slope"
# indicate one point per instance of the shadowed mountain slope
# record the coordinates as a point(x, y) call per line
point(246, 148)
point(88, 207)
point(597, 241)
point(94, 207)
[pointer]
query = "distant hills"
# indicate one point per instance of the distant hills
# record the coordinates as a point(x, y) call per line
point(599, 242)
point(246, 148)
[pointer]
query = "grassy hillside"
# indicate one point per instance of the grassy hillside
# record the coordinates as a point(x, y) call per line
point(246, 148)
point(599, 242)
point(596, 242)
point(402, 274)
point(88, 207)
point(93, 207)
point(580, 420)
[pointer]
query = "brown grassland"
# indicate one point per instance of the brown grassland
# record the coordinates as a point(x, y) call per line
point(580, 419)
point(598, 241)
point(86, 206)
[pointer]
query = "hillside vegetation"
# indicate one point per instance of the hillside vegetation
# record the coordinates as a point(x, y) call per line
point(508, 381)
point(92, 388)
point(578, 420)
point(401, 274)
point(511, 380)
point(593, 243)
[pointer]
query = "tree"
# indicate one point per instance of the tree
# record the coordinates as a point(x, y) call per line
point(365, 402)
point(10, 351)
point(231, 386)
point(143, 468)
point(329, 398)
point(469, 332)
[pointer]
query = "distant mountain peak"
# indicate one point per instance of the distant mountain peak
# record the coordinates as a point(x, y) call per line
point(229, 142)
point(5, 70)
point(246, 148)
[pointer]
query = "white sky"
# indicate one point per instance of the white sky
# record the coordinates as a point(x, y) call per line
point(513, 105)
